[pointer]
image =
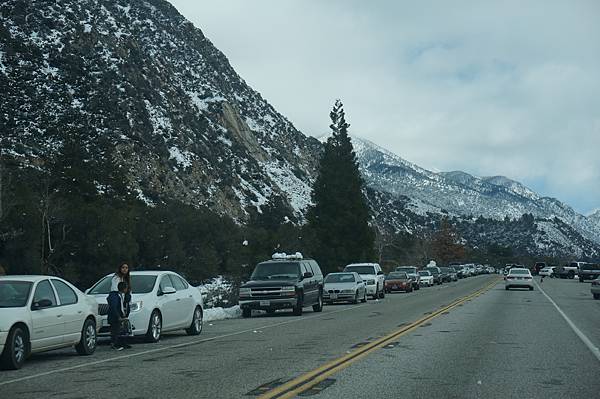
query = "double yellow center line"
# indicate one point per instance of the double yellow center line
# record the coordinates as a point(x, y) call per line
point(306, 381)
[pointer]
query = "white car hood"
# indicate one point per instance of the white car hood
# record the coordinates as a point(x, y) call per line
point(368, 276)
point(339, 286)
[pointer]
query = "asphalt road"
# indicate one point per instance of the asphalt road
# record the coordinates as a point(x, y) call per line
point(497, 344)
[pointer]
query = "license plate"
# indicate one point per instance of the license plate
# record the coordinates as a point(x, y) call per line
point(265, 303)
point(333, 296)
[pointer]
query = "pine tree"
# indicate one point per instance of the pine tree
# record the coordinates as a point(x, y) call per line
point(339, 219)
point(446, 245)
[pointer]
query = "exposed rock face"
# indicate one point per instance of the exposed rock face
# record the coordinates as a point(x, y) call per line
point(139, 86)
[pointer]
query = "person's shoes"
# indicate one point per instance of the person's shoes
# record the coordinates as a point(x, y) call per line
point(126, 346)
point(117, 347)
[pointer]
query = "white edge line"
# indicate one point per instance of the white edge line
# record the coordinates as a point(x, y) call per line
point(183, 344)
point(594, 349)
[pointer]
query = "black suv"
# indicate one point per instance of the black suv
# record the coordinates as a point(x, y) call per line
point(284, 282)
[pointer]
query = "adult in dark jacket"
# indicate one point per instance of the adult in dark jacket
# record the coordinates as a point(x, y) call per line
point(118, 303)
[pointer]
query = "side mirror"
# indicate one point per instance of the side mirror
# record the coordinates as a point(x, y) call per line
point(169, 290)
point(44, 303)
point(307, 275)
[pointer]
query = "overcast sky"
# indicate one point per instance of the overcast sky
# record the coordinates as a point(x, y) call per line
point(502, 88)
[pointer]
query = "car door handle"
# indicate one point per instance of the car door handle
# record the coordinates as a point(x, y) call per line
point(178, 299)
point(79, 312)
point(189, 296)
point(59, 315)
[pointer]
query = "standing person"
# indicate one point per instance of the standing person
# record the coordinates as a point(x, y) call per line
point(114, 302)
point(116, 312)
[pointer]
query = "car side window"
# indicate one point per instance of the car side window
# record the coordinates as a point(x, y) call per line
point(316, 269)
point(44, 291)
point(165, 282)
point(178, 284)
point(185, 283)
point(66, 295)
point(303, 268)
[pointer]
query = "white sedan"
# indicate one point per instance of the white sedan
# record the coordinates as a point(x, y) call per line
point(161, 301)
point(344, 287)
point(41, 313)
point(426, 278)
point(547, 271)
point(518, 278)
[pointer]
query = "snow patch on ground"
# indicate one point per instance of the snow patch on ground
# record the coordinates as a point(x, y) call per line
point(219, 313)
point(183, 158)
point(299, 192)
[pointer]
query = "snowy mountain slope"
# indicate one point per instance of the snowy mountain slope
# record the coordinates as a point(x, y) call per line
point(459, 193)
point(137, 85)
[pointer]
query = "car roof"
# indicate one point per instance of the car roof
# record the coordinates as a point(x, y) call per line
point(362, 264)
point(147, 273)
point(25, 277)
point(518, 268)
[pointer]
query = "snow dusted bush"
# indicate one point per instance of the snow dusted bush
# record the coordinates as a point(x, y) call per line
point(219, 292)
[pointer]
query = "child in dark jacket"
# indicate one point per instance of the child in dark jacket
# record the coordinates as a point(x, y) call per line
point(117, 307)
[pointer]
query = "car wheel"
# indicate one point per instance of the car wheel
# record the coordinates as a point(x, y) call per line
point(318, 307)
point(364, 298)
point(382, 294)
point(246, 313)
point(580, 280)
point(530, 288)
point(297, 310)
point(154, 327)
point(15, 349)
point(196, 326)
point(596, 296)
point(571, 275)
point(506, 288)
point(88, 342)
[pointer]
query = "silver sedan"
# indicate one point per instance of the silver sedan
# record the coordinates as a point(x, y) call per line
point(344, 287)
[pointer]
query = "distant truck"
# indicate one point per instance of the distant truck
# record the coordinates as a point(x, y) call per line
point(588, 271)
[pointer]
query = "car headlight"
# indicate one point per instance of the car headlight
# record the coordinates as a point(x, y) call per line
point(136, 306)
point(288, 289)
point(244, 292)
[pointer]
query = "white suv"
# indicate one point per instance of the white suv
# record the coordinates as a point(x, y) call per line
point(373, 276)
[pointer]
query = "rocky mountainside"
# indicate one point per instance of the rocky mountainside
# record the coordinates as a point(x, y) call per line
point(137, 86)
point(134, 90)
point(416, 196)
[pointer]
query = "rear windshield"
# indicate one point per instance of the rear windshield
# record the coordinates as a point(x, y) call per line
point(360, 269)
point(424, 273)
point(396, 276)
point(433, 271)
point(140, 284)
point(14, 294)
point(518, 271)
point(340, 278)
point(276, 271)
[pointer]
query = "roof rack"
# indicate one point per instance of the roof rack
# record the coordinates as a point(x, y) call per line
point(284, 256)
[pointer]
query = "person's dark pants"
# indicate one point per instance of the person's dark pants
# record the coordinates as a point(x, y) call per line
point(115, 334)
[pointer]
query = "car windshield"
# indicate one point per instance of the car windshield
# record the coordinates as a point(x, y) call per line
point(396, 276)
point(406, 269)
point(340, 278)
point(14, 294)
point(433, 271)
point(140, 284)
point(424, 273)
point(276, 271)
point(361, 269)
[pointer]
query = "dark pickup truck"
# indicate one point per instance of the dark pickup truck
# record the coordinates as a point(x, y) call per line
point(588, 271)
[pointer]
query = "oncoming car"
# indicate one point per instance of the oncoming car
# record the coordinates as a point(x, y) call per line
point(161, 301)
point(344, 287)
point(41, 313)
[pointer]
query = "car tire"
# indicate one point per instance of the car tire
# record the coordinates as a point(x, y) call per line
point(530, 288)
point(246, 313)
point(89, 340)
point(596, 296)
point(580, 280)
point(364, 298)
point(318, 307)
point(297, 310)
point(196, 326)
point(506, 288)
point(571, 275)
point(382, 294)
point(154, 327)
point(16, 349)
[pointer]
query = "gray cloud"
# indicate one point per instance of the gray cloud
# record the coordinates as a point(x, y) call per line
point(508, 88)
